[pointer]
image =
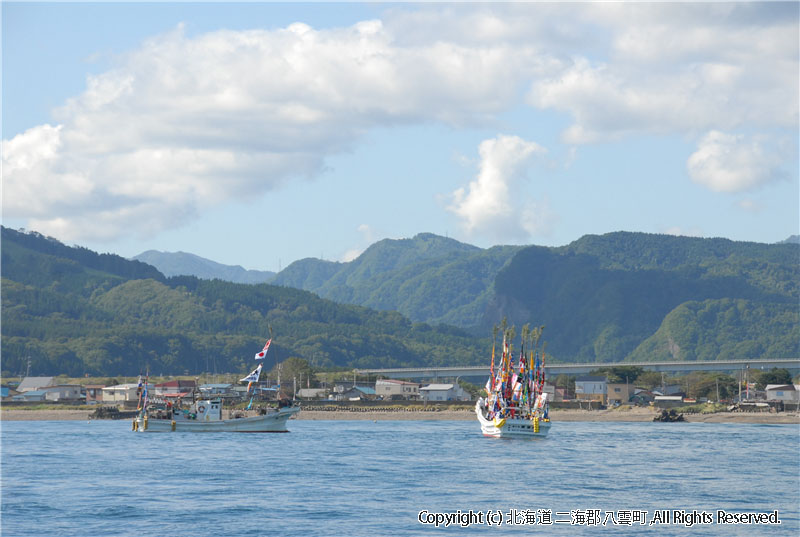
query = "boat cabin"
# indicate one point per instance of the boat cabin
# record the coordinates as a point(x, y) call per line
point(206, 410)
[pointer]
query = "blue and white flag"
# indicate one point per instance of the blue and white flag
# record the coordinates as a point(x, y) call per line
point(252, 377)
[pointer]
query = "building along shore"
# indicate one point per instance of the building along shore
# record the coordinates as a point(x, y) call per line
point(433, 413)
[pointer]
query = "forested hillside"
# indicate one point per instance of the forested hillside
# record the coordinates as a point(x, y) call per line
point(111, 316)
point(620, 296)
point(427, 278)
point(655, 297)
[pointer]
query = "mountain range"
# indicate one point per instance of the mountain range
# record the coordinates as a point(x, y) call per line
point(185, 264)
point(421, 301)
point(72, 311)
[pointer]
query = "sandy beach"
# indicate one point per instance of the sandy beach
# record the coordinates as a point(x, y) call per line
point(634, 414)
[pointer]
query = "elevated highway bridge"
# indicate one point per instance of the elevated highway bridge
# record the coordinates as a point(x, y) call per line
point(551, 369)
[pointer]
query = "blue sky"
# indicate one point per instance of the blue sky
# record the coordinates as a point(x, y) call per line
point(257, 134)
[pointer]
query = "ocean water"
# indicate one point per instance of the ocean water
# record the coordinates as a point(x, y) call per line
point(343, 478)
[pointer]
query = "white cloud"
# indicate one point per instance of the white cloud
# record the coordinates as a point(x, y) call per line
point(490, 205)
point(367, 238)
point(678, 68)
point(351, 254)
point(182, 124)
point(733, 163)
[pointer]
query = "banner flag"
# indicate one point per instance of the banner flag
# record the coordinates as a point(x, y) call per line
point(263, 353)
point(252, 377)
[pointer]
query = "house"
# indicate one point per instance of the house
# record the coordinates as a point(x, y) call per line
point(642, 397)
point(667, 401)
point(560, 394)
point(121, 393)
point(94, 393)
point(174, 387)
point(618, 393)
point(396, 389)
point(216, 389)
point(35, 383)
point(312, 393)
point(63, 392)
point(356, 393)
point(341, 387)
point(673, 389)
point(788, 393)
point(261, 391)
point(591, 388)
point(31, 396)
point(444, 392)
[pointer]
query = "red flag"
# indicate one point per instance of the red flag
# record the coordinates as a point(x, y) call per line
point(263, 353)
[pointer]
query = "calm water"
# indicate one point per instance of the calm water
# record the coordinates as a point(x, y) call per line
point(367, 478)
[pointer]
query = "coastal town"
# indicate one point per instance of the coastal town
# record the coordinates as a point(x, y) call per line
point(590, 392)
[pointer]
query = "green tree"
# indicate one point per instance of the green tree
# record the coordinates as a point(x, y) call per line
point(292, 370)
point(620, 374)
point(773, 376)
point(704, 384)
point(649, 379)
point(473, 390)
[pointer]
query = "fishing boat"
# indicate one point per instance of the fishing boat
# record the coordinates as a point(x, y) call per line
point(206, 416)
point(516, 405)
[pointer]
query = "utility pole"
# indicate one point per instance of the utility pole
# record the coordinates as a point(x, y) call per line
point(747, 382)
point(627, 391)
point(741, 374)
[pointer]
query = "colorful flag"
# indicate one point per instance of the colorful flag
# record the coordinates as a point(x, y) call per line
point(252, 377)
point(263, 353)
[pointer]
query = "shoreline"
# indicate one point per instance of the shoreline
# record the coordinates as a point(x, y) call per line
point(633, 415)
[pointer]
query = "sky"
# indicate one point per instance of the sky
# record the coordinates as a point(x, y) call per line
point(257, 134)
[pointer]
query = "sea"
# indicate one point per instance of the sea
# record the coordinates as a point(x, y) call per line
point(374, 478)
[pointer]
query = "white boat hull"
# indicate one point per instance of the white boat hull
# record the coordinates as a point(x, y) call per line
point(267, 423)
point(512, 427)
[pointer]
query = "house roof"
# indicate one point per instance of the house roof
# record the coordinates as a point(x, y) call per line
point(177, 384)
point(215, 386)
point(363, 389)
point(782, 387)
point(310, 392)
point(34, 383)
point(437, 387)
point(35, 393)
point(393, 381)
point(122, 387)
